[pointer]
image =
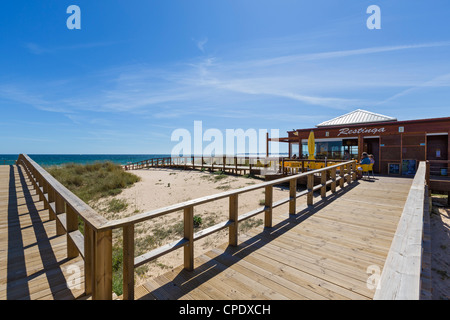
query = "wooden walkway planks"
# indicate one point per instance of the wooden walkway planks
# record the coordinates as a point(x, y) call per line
point(323, 252)
point(33, 263)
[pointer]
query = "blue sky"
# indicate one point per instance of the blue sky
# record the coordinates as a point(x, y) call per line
point(138, 70)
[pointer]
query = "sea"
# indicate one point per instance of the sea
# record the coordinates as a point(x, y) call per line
point(46, 160)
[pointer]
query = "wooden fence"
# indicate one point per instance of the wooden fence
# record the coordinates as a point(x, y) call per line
point(95, 245)
point(233, 164)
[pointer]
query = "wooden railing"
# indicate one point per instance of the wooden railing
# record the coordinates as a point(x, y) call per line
point(223, 163)
point(95, 246)
point(233, 164)
point(401, 276)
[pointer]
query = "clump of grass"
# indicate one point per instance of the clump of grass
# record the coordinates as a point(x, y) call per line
point(93, 181)
point(197, 221)
point(250, 224)
point(117, 205)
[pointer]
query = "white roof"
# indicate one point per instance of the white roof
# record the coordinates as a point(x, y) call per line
point(356, 117)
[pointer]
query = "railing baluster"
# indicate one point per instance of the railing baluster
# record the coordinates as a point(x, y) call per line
point(60, 207)
point(233, 217)
point(268, 201)
point(333, 179)
point(89, 257)
point(323, 181)
point(72, 225)
point(128, 262)
point(292, 196)
point(189, 235)
point(103, 265)
point(310, 186)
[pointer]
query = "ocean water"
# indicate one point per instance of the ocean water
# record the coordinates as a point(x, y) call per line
point(59, 159)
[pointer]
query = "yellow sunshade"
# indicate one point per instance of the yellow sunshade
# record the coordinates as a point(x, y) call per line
point(311, 146)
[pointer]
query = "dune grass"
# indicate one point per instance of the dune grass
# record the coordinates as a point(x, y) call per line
point(93, 181)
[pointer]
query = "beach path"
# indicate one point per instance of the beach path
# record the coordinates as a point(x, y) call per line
point(33, 263)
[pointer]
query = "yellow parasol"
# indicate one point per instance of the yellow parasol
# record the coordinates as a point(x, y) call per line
point(311, 146)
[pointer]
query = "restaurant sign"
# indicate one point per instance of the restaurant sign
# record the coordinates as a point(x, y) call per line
point(348, 131)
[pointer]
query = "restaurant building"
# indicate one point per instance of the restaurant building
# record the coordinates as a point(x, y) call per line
point(397, 146)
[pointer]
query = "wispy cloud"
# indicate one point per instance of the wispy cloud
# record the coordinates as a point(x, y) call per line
point(39, 49)
point(201, 44)
point(188, 89)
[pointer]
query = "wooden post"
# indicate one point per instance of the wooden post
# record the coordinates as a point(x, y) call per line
point(341, 174)
point(72, 225)
point(128, 262)
point(189, 235)
point(292, 196)
point(60, 207)
point(349, 173)
point(233, 217)
point(89, 257)
point(323, 181)
point(354, 170)
point(333, 179)
point(268, 207)
point(103, 265)
point(310, 186)
point(45, 191)
point(51, 199)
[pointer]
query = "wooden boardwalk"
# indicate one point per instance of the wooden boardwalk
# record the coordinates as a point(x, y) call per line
point(321, 252)
point(33, 263)
point(328, 252)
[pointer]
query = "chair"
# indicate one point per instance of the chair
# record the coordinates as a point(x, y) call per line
point(367, 168)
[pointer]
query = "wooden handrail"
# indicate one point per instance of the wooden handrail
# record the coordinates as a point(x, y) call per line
point(401, 275)
point(95, 246)
point(249, 161)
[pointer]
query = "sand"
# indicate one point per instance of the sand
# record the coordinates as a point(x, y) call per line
point(161, 187)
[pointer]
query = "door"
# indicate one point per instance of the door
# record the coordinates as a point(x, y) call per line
point(372, 146)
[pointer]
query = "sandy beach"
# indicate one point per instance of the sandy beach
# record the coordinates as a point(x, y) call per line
point(161, 187)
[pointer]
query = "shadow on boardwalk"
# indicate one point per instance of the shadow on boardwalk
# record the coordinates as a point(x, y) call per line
point(32, 268)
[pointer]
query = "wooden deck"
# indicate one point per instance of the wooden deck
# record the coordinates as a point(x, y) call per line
point(324, 252)
point(328, 252)
point(33, 263)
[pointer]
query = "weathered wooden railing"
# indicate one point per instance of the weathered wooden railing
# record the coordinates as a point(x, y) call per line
point(95, 246)
point(401, 278)
point(223, 163)
point(232, 164)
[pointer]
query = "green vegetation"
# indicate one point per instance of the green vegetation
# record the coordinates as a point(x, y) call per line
point(216, 176)
point(93, 181)
point(117, 205)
